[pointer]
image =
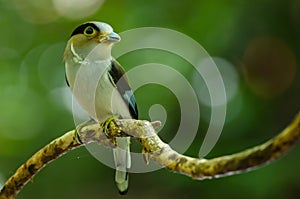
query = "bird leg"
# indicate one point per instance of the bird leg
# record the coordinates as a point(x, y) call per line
point(146, 155)
point(109, 124)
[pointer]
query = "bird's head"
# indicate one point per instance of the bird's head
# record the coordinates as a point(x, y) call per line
point(96, 36)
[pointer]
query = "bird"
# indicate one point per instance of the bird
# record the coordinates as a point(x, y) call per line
point(99, 84)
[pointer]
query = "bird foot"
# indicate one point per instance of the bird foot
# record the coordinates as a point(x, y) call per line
point(146, 155)
point(106, 125)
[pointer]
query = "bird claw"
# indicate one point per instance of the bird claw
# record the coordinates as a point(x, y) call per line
point(146, 155)
point(105, 125)
point(80, 127)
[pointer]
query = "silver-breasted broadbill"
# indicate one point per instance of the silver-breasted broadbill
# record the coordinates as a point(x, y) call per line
point(99, 84)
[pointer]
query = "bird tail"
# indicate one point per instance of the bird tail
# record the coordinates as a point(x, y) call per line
point(122, 163)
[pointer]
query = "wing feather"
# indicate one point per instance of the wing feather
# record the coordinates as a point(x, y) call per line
point(120, 80)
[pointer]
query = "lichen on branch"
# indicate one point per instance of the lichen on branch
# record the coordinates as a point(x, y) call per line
point(157, 150)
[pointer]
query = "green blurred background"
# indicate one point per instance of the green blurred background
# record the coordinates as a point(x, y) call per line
point(256, 44)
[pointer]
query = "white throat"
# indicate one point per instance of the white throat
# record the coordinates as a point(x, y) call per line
point(99, 53)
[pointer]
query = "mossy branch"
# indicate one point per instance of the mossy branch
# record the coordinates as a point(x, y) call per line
point(159, 151)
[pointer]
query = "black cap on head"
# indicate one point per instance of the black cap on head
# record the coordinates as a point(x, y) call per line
point(80, 29)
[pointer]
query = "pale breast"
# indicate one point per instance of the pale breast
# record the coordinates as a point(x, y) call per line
point(94, 91)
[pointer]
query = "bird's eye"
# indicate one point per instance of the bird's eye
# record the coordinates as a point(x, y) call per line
point(89, 31)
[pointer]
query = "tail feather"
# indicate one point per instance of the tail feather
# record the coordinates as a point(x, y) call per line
point(122, 163)
point(122, 180)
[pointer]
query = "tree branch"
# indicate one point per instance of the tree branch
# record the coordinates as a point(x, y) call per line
point(159, 151)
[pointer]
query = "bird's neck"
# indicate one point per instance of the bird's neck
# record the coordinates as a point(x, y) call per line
point(98, 53)
point(101, 52)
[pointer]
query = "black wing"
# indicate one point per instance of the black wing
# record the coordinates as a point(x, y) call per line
point(67, 80)
point(120, 80)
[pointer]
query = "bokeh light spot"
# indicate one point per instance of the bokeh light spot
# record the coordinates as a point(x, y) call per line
point(51, 67)
point(36, 11)
point(269, 66)
point(230, 78)
point(15, 38)
point(77, 9)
